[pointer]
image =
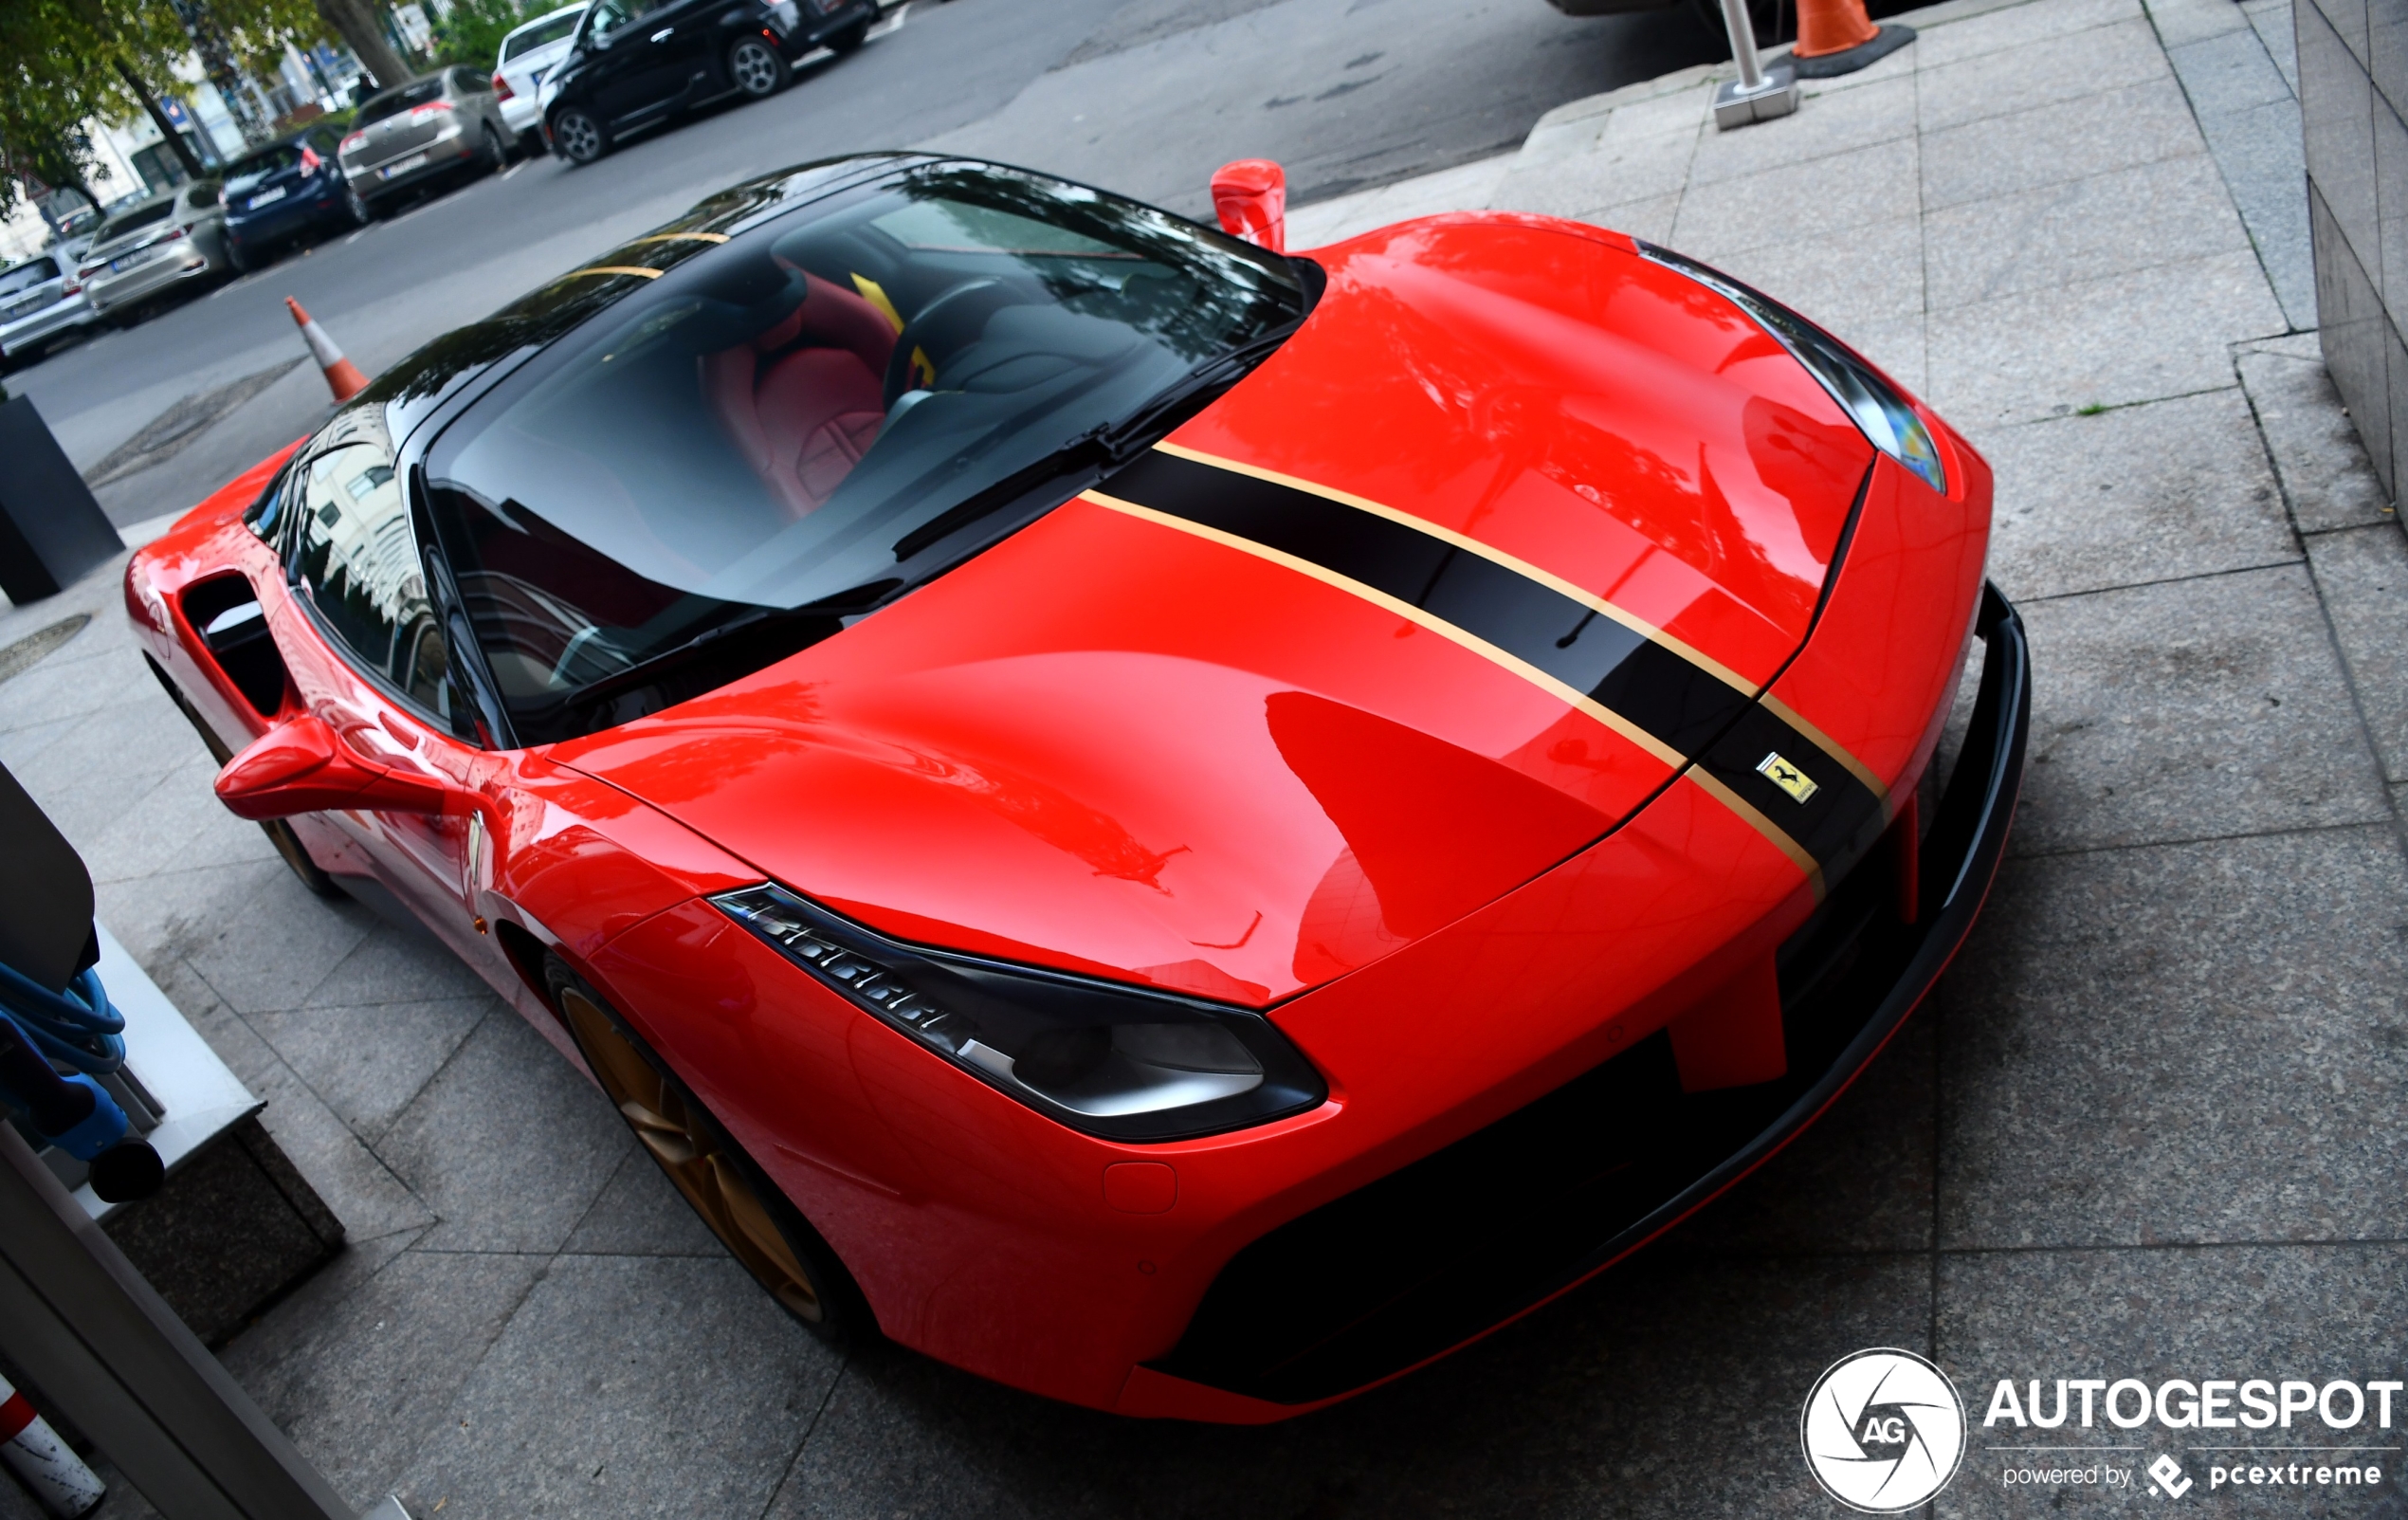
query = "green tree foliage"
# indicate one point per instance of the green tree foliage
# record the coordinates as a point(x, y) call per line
point(471, 33)
point(64, 63)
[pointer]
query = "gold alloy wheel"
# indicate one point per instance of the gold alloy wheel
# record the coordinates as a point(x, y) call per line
point(690, 1148)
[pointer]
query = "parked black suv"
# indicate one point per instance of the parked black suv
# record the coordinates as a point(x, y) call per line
point(636, 61)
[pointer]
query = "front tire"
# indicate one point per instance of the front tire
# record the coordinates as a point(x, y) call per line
point(491, 154)
point(760, 1229)
point(580, 136)
point(757, 68)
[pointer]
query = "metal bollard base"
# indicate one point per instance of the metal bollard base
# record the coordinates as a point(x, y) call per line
point(1735, 106)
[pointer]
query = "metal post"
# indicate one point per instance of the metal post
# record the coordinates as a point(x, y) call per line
point(99, 1342)
point(1758, 94)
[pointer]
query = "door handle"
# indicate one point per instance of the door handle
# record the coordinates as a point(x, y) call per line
point(661, 35)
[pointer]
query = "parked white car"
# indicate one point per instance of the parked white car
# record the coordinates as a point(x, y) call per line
point(528, 54)
point(41, 300)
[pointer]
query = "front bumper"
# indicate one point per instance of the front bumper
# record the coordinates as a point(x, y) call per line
point(44, 326)
point(1402, 1270)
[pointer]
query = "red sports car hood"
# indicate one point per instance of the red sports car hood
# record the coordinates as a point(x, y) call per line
point(1306, 681)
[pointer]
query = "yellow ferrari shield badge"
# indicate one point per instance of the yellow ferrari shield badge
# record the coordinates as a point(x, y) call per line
point(1787, 776)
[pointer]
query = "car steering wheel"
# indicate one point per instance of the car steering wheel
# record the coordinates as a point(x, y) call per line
point(944, 327)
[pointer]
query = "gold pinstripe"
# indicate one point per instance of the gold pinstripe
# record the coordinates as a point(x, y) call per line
point(636, 269)
point(1570, 696)
point(1830, 746)
point(680, 237)
point(1636, 624)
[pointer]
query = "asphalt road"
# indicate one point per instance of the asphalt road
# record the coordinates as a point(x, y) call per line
point(1145, 97)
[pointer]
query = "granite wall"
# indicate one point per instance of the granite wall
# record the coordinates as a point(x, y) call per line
point(2353, 89)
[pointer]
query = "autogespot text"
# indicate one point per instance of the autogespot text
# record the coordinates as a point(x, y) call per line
point(2333, 1435)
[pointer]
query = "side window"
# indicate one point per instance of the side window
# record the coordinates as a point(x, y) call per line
point(358, 562)
point(609, 16)
point(467, 80)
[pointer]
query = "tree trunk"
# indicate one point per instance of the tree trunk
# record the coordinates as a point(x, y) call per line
point(356, 22)
point(175, 142)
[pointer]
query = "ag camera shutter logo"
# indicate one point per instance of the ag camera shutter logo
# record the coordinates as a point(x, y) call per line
point(1883, 1430)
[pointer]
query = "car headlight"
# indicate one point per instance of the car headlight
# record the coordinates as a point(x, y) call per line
point(1888, 423)
point(1118, 1062)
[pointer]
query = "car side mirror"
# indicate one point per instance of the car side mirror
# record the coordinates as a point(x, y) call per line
point(1250, 196)
point(300, 766)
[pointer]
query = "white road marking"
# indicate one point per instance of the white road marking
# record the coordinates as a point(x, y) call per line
point(361, 234)
point(515, 168)
point(893, 22)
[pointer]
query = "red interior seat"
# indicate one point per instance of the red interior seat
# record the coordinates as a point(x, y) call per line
point(804, 401)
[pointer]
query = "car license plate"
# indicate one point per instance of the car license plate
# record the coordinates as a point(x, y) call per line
point(404, 167)
point(267, 197)
point(120, 266)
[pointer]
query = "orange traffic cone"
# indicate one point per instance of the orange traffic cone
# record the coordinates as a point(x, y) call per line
point(343, 375)
point(1836, 37)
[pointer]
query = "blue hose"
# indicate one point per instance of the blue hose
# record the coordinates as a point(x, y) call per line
point(80, 1026)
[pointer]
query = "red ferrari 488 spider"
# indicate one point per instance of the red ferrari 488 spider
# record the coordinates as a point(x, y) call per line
point(1183, 828)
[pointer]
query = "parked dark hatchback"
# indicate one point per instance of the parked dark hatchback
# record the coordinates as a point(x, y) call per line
point(638, 61)
point(284, 192)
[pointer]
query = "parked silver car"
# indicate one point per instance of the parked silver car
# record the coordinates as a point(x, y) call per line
point(527, 55)
point(447, 122)
point(41, 300)
point(158, 243)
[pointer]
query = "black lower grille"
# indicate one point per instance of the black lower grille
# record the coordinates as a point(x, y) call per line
point(1429, 1255)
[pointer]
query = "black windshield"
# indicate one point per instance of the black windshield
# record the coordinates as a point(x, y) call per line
point(791, 425)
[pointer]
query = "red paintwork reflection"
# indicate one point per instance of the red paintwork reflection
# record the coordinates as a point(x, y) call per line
point(1571, 403)
point(1174, 763)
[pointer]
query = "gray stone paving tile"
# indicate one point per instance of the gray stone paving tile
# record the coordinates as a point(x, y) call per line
point(2016, 26)
point(1845, 281)
point(1833, 194)
point(2319, 1313)
point(18, 746)
point(65, 689)
point(162, 917)
point(2277, 31)
point(2152, 492)
point(1684, 109)
point(1608, 177)
point(2041, 72)
point(367, 1063)
point(396, 965)
point(640, 1214)
point(1598, 1404)
point(2187, 709)
point(360, 1367)
point(2262, 162)
point(1651, 220)
point(2187, 21)
point(2137, 337)
point(509, 1144)
point(365, 1195)
point(180, 820)
point(259, 937)
point(2095, 134)
point(2054, 236)
point(2228, 74)
point(2193, 1042)
point(1860, 1179)
point(627, 1386)
point(2317, 453)
point(2363, 575)
point(1837, 122)
point(1897, 345)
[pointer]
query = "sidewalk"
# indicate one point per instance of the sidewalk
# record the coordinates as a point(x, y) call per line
point(2149, 1125)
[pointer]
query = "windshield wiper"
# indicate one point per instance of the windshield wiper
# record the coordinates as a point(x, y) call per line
point(760, 619)
point(1101, 447)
